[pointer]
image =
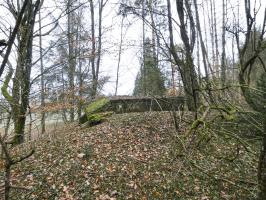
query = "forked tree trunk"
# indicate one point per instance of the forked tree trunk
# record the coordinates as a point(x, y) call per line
point(186, 66)
point(21, 81)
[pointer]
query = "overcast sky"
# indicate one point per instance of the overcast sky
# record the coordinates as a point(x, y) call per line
point(132, 38)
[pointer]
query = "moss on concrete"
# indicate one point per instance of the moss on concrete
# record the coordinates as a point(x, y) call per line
point(131, 104)
point(96, 118)
point(95, 112)
point(97, 106)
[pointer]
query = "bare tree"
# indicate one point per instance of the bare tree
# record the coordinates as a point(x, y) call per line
point(19, 99)
point(42, 74)
point(93, 51)
point(71, 55)
point(186, 66)
point(204, 52)
point(119, 54)
point(223, 64)
point(21, 15)
point(247, 65)
point(12, 37)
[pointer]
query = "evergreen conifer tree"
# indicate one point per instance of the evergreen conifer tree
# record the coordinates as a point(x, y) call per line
point(150, 80)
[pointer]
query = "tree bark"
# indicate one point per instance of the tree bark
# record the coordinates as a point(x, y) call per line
point(216, 41)
point(21, 81)
point(119, 55)
point(185, 66)
point(153, 25)
point(13, 36)
point(223, 64)
point(93, 52)
point(42, 75)
point(99, 53)
point(143, 48)
point(80, 74)
point(204, 54)
point(71, 58)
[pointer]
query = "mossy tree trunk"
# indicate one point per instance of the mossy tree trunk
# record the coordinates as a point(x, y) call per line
point(19, 100)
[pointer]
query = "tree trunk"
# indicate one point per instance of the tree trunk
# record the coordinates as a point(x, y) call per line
point(211, 27)
point(223, 65)
point(80, 90)
point(93, 52)
point(119, 55)
point(153, 26)
point(198, 58)
point(204, 54)
point(186, 66)
point(42, 76)
point(203, 49)
point(63, 96)
point(143, 48)
point(99, 53)
point(7, 179)
point(80, 75)
point(216, 41)
point(19, 129)
point(71, 58)
point(21, 81)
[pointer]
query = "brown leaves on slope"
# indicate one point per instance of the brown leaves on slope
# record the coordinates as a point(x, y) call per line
point(131, 156)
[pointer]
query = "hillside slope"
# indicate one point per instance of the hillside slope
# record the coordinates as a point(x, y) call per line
point(130, 156)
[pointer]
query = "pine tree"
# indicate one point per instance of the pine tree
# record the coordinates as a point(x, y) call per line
point(150, 80)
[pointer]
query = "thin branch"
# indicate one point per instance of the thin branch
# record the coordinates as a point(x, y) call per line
point(23, 157)
point(12, 37)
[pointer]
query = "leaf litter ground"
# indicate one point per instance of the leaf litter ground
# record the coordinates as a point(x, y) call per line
point(131, 156)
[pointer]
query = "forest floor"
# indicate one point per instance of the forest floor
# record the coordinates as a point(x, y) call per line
point(136, 156)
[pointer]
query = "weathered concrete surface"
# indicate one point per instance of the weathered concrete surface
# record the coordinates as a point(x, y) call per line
point(126, 104)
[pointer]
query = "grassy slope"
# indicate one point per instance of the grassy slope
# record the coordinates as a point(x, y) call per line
point(134, 156)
